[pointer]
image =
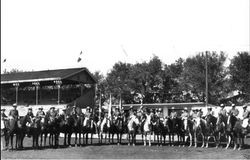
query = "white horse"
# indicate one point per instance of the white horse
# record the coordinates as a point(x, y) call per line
point(147, 129)
point(104, 128)
point(132, 127)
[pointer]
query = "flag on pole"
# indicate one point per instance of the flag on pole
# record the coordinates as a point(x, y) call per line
point(110, 106)
point(100, 105)
point(4, 60)
point(80, 52)
point(120, 103)
point(79, 59)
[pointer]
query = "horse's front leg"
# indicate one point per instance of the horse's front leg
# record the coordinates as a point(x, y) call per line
point(229, 141)
point(195, 139)
point(75, 138)
point(190, 139)
point(203, 140)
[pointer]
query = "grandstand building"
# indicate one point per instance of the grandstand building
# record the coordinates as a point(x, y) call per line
point(74, 86)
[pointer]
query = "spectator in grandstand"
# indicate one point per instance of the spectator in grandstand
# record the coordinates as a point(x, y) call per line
point(233, 111)
point(13, 114)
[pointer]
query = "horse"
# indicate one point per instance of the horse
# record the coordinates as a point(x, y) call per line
point(230, 130)
point(52, 124)
point(210, 128)
point(147, 129)
point(188, 129)
point(178, 129)
point(105, 125)
point(89, 127)
point(158, 129)
point(77, 120)
point(132, 125)
point(65, 125)
point(199, 128)
point(119, 128)
point(17, 127)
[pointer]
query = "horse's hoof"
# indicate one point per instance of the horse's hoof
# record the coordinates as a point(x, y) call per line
point(128, 144)
point(183, 146)
point(189, 146)
point(239, 149)
point(234, 148)
point(179, 145)
point(133, 144)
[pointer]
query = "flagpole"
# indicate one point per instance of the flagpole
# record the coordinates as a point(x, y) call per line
point(206, 80)
point(100, 104)
point(110, 106)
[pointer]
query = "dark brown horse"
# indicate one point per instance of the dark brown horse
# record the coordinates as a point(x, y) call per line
point(16, 127)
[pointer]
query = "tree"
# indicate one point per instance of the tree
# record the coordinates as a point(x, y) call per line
point(194, 81)
point(239, 70)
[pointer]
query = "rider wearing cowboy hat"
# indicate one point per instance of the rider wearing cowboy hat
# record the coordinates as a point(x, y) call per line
point(233, 111)
point(40, 113)
point(185, 114)
point(29, 117)
point(173, 114)
point(209, 112)
point(13, 114)
point(3, 130)
point(246, 117)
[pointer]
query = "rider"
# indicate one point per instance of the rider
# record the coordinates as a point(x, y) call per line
point(87, 116)
point(209, 112)
point(223, 113)
point(13, 114)
point(40, 113)
point(173, 114)
point(52, 113)
point(159, 114)
point(117, 114)
point(3, 130)
point(29, 118)
point(233, 111)
point(246, 117)
point(185, 114)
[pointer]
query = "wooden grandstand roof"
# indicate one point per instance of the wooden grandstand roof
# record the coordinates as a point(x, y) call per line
point(81, 75)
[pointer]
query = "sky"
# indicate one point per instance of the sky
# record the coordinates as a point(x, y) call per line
point(50, 34)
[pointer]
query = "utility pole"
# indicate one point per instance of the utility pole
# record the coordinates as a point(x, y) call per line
point(206, 80)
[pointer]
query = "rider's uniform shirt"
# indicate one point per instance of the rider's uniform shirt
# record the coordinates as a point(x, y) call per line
point(234, 112)
point(88, 114)
point(223, 112)
point(3, 118)
point(194, 115)
point(246, 114)
point(52, 114)
point(40, 114)
point(185, 115)
point(14, 114)
point(210, 113)
point(173, 115)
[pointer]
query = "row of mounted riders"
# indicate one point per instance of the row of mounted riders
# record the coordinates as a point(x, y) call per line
point(132, 124)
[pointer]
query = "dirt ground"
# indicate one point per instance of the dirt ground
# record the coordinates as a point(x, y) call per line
point(124, 151)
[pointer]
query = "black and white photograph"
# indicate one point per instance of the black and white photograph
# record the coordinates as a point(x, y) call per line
point(125, 79)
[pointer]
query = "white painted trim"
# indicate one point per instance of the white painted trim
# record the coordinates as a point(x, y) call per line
point(31, 80)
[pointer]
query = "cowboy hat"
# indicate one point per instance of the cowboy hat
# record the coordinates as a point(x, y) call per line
point(233, 105)
point(244, 106)
point(222, 105)
point(52, 107)
point(30, 108)
point(3, 109)
point(14, 105)
point(40, 108)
